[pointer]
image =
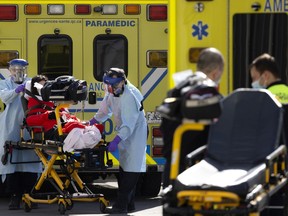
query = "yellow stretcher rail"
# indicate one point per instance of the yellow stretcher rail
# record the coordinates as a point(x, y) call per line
point(177, 145)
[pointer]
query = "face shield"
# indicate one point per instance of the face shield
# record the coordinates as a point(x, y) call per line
point(114, 84)
point(18, 72)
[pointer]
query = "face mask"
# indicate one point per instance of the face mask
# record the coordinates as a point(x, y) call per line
point(118, 91)
point(256, 85)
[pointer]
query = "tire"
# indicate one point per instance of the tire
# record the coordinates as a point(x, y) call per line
point(102, 207)
point(62, 208)
point(69, 207)
point(27, 208)
point(151, 184)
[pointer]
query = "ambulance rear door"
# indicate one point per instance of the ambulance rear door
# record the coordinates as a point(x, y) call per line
point(256, 28)
point(108, 43)
point(9, 49)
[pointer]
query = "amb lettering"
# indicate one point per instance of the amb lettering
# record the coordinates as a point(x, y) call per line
point(110, 23)
point(276, 6)
point(96, 87)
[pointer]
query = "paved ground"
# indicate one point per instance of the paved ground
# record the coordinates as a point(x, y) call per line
point(144, 205)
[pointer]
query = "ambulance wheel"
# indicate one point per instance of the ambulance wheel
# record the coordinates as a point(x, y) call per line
point(102, 206)
point(62, 208)
point(27, 208)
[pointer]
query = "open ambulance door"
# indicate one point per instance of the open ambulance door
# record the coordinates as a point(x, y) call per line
point(256, 28)
point(9, 49)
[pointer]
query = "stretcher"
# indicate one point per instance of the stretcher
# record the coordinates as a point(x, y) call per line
point(60, 169)
point(242, 166)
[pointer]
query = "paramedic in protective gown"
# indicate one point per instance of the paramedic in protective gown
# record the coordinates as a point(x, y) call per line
point(20, 178)
point(124, 101)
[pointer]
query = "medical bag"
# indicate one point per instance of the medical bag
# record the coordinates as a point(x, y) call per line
point(64, 88)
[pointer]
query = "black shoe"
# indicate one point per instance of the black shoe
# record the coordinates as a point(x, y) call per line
point(114, 210)
point(131, 208)
point(14, 203)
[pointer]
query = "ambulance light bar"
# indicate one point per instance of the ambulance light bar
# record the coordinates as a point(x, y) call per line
point(82, 9)
point(194, 54)
point(32, 9)
point(132, 9)
point(55, 9)
point(156, 132)
point(157, 151)
point(157, 58)
point(109, 9)
point(157, 13)
point(157, 138)
point(8, 12)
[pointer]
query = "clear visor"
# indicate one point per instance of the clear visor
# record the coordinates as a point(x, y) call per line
point(19, 73)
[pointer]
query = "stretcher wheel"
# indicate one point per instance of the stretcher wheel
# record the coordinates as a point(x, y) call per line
point(102, 206)
point(27, 208)
point(62, 208)
point(69, 207)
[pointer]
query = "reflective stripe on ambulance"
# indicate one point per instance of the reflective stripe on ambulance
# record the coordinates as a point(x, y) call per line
point(151, 80)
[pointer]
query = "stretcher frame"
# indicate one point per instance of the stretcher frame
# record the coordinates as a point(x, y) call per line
point(208, 202)
point(53, 154)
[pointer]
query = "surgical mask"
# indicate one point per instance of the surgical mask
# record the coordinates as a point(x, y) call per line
point(38, 86)
point(256, 85)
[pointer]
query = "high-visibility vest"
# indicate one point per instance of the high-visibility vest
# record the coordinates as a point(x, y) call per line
point(281, 92)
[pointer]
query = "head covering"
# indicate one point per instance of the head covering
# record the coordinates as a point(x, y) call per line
point(114, 76)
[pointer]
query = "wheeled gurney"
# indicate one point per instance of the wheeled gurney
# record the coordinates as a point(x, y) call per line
point(241, 167)
point(60, 168)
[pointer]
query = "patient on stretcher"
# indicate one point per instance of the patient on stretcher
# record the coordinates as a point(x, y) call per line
point(42, 113)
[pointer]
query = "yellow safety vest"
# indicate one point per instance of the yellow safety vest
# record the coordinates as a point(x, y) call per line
point(281, 92)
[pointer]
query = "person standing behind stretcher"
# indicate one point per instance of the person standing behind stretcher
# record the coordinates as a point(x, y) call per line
point(124, 101)
point(20, 178)
point(211, 63)
point(265, 74)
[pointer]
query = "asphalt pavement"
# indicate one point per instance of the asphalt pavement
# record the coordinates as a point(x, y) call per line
point(144, 205)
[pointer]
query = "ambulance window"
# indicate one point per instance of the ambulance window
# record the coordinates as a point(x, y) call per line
point(55, 55)
point(6, 56)
point(109, 51)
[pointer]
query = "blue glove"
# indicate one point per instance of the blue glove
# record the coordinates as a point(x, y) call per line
point(20, 88)
point(93, 121)
point(114, 144)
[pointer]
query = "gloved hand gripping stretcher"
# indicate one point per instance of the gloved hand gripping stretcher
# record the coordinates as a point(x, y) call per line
point(64, 91)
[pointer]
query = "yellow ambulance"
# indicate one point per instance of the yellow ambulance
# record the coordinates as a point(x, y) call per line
point(85, 38)
point(240, 29)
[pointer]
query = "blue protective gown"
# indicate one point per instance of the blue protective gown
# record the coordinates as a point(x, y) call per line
point(10, 123)
point(131, 126)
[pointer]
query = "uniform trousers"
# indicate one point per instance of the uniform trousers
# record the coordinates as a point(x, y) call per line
point(127, 182)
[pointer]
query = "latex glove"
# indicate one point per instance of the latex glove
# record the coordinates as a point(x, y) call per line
point(114, 144)
point(20, 88)
point(93, 121)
